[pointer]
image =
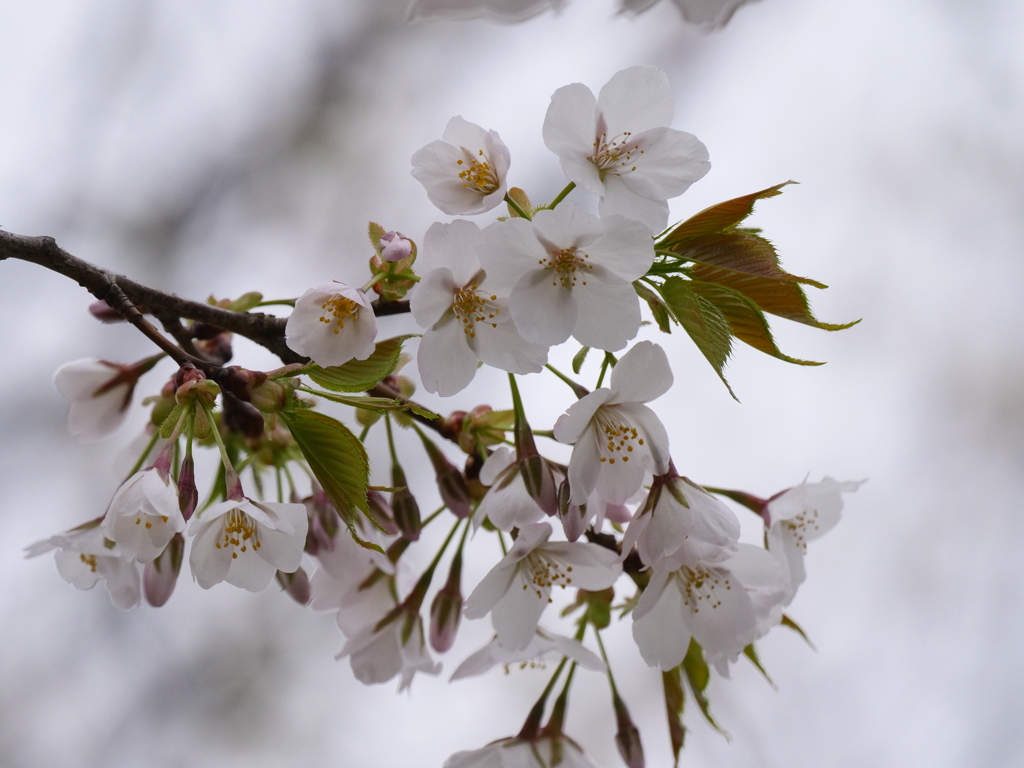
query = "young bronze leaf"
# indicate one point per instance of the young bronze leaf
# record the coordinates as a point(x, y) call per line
point(751, 653)
point(741, 251)
point(336, 457)
point(788, 622)
point(745, 318)
point(698, 675)
point(702, 320)
point(721, 217)
point(675, 698)
point(360, 375)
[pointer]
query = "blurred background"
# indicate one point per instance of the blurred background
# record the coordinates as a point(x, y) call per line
point(222, 147)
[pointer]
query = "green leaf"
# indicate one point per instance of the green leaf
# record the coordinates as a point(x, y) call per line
point(746, 320)
point(658, 308)
point(360, 375)
point(577, 361)
point(378, 404)
point(751, 653)
point(721, 217)
point(675, 699)
point(788, 622)
point(698, 675)
point(336, 457)
point(375, 232)
point(703, 321)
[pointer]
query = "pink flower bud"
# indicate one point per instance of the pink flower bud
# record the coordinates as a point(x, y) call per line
point(188, 493)
point(296, 585)
point(627, 738)
point(395, 246)
point(403, 503)
point(161, 575)
point(105, 313)
point(381, 512)
point(445, 614)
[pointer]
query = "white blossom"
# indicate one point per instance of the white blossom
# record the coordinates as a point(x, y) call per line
point(463, 173)
point(568, 273)
point(379, 653)
point(618, 438)
point(507, 503)
point(726, 600)
point(517, 590)
point(543, 646)
point(86, 556)
point(245, 542)
point(504, 10)
point(802, 514)
point(332, 324)
point(619, 145)
point(98, 405)
point(466, 322)
point(144, 515)
point(677, 511)
point(543, 752)
point(707, 14)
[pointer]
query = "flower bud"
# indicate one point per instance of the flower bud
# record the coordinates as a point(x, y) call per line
point(105, 313)
point(381, 512)
point(446, 610)
point(242, 417)
point(403, 503)
point(395, 246)
point(573, 517)
point(539, 483)
point(218, 349)
point(160, 575)
point(296, 585)
point(188, 493)
point(450, 482)
point(627, 738)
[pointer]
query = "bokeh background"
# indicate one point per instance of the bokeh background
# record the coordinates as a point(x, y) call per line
point(221, 147)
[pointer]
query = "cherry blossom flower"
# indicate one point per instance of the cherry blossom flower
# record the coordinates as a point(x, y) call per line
point(354, 581)
point(618, 438)
point(678, 510)
point(100, 395)
point(332, 324)
point(724, 599)
point(85, 556)
point(144, 515)
point(707, 14)
point(799, 515)
point(395, 646)
point(505, 10)
point(466, 322)
point(568, 273)
point(463, 173)
point(517, 590)
point(619, 145)
point(543, 752)
point(507, 504)
point(245, 542)
point(543, 646)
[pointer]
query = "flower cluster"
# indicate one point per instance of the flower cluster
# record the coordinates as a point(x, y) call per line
point(617, 521)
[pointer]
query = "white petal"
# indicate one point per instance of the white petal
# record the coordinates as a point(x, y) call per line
point(584, 466)
point(544, 312)
point(570, 425)
point(308, 333)
point(509, 249)
point(250, 572)
point(593, 567)
point(509, 506)
point(452, 246)
point(433, 296)
point(515, 616)
point(659, 629)
point(641, 375)
point(496, 463)
point(490, 590)
point(636, 99)
point(502, 347)
point(671, 161)
point(570, 119)
point(209, 564)
point(608, 312)
point(123, 582)
point(76, 570)
point(723, 622)
point(620, 199)
point(376, 657)
point(624, 247)
point(444, 359)
point(653, 431)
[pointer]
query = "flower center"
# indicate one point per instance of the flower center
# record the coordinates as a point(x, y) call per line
point(478, 175)
point(337, 309)
point(472, 306)
point(615, 155)
point(699, 584)
point(615, 438)
point(89, 560)
point(806, 521)
point(545, 573)
point(241, 533)
point(149, 523)
point(564, 265)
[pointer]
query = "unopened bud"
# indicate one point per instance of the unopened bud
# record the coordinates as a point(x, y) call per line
point(218, 349)
point(105, 313)
point(242, 417)
point(296, 585)
point(446, 612)
point(627, 738)
point(188, 493)
point(403, 503)
point(450, 482)
point(161, 575)
point(381, 512)
point(395, 246)
point(573, 517)
point(539, 483)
